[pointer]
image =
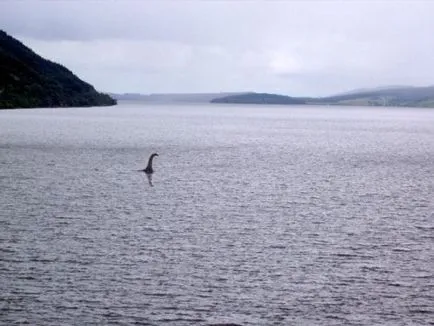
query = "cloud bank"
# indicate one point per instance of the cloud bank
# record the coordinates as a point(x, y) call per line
point(291, 47)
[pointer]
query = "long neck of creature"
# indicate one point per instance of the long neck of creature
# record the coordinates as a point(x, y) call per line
point(150, 162)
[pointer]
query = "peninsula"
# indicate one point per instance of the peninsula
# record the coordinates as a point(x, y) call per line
point(404, 96)
point(259, 98)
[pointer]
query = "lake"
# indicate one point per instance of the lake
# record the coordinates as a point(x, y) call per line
point(258, 215)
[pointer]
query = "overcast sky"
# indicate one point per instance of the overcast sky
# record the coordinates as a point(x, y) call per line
point(289, 47)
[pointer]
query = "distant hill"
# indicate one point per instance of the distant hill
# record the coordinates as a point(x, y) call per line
point(27, 80)
point(407, 96)
point(396, 96)
point(258, 98)
point(372, 89)
point(172, 97)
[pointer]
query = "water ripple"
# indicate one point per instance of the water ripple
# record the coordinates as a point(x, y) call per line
point(288, 217)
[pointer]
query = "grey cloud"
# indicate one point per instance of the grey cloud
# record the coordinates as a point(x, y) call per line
point(295, 47)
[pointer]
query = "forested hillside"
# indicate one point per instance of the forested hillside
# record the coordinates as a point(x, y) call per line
point(27, 80)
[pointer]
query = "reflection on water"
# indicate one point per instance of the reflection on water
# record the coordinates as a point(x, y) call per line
point(259, 216)
point(149, 177)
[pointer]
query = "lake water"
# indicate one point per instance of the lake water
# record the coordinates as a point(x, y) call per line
point(259, 215)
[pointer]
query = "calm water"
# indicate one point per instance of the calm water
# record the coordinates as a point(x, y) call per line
point(258, 216)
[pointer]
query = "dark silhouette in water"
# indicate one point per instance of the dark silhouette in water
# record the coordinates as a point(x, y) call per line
point(149, 169)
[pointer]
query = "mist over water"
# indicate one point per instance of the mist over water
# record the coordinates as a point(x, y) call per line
point(259, 215)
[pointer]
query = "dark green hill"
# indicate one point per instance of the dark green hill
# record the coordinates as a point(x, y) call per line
point(406, 96)
point(258, 98)
point(27, 80)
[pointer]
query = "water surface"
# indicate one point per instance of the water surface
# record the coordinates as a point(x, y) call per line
point(259, 215)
